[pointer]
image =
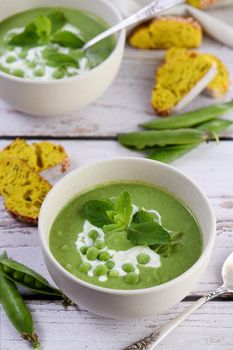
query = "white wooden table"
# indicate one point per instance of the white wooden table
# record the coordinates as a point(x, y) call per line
point(88, 136)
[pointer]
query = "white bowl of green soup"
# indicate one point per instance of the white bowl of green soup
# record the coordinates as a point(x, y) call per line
point(126, 238)
point(43, 69)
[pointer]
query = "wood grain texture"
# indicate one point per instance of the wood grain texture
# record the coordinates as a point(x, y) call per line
point(125, 105)
point(210, 328)
point(210, 166)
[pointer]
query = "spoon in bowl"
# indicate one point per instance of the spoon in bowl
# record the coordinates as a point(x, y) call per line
point(146, 12)
point(150, 342)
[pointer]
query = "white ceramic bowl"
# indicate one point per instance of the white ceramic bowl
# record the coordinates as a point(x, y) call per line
point(124, 303)
point(56, 97)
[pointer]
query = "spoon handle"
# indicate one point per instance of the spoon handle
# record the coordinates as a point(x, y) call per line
point(146, 12)
point(150, 342)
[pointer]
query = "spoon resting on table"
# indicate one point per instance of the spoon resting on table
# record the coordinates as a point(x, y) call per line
point(150, 342)
point(146, 12)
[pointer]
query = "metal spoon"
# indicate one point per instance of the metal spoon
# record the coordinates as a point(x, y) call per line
point(146, 12)
point(150, 342)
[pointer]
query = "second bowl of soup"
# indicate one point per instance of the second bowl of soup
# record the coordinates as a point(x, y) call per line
point(127, 237)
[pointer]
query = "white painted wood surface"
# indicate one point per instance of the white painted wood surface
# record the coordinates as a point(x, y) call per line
point(210, 328)
point(124, 105)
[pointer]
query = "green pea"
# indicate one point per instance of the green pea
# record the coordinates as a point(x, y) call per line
point(99, 244)
point(113, 274)
point(128, 268)
point(110, 264)
point(10, 59)
point(29, 280)
point(84, 267)
point(104, 256)
point(22, 54)
point(39, 72)
point(18, 73)
point(18, 275)
point(38, 285)
point(92, 253)
point(31, 64)
point(8, 269)
point(93, 234)
point(4, 69)
point(101, 270)
point(58, 74)
point(83, 250)
point(143, 259)
point(132, 278)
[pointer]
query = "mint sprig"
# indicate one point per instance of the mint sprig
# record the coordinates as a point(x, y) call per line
point(67, 39)
point(141, 228)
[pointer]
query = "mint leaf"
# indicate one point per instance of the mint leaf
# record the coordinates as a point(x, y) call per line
point(123, 208)
point(57, 59)
point(58, 20)
point(67, 39)
point(168, 249)
point(111, 228)
point(43, 27)
point(143, 216)
point(148, 233)
point(28, 37)
point(95, 211)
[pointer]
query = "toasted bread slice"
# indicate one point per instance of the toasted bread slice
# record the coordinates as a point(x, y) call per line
point(202, 4)
point(23, 189)
point(166, 32)
point(220, 84)
point(40, 156)
point(180, 79)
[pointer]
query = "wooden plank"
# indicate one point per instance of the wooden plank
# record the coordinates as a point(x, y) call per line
point(210, 328)
point(210, 166)
point(125, 105)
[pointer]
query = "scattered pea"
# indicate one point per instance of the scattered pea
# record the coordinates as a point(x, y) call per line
point(18, 73)
point(39, 72)
point(29, 280)
point(83, 249)
point(99, 244)
point(58, 74)
point(113, 274)
point(18, 275)
point(84, 267)
point(143, 258)
point(93, 234)
point(4, 69)
point(8, 269)
point(128, 268)
point(104, 256)
point(110, 264)
point(22, 54)
point(10, 59)
point(31, 64)
point(101, 270)
point(92, 253)
point(132, 278)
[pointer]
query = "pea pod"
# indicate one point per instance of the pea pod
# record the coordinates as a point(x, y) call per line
point(17, 311)
point(141, 140)
point(171, 153)
point(190, 119)
point(29, 278)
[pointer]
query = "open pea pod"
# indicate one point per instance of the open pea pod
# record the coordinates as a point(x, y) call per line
point(25, 276)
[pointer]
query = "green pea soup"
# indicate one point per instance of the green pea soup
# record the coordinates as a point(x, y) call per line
point(111, 260)
point(51, 54)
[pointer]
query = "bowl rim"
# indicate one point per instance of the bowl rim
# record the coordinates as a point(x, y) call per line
point(120, 40)
point(160, 287)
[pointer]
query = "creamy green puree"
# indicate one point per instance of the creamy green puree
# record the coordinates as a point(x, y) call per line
point(45, 43)
point(109, 257)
